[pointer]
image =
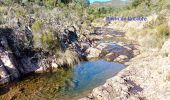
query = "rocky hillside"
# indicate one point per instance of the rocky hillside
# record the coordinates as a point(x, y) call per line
point(35, 37)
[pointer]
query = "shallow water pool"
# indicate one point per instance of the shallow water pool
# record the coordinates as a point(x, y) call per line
point(67, 84)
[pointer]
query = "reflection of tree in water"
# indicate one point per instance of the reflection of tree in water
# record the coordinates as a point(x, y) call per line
point(58, 83)
point(44, 86)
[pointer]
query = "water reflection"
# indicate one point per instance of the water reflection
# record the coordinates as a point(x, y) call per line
point(65, 84)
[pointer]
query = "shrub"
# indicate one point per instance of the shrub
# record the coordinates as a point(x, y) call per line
point(47, 40)
point(37, 26)
point(90, 11)
point(165, 4)
point(136, 3)
point(8, 1)
point(20, 11)
point(154, 23)
point(50, 3)
point(37, 40)
point(163, 31)
point(66, 57)
point(37, 29)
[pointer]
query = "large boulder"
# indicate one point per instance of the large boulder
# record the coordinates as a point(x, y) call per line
point(93, 53)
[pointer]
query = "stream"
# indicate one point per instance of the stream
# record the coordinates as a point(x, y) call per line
point(66, 84)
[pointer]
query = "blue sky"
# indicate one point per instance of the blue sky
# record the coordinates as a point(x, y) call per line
point(91, 1)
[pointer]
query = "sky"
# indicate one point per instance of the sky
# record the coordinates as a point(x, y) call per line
point(91, 1)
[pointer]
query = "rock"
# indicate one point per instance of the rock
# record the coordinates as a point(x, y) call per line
point(166, 47)
point(93, 53)
point(85, 46)
point(95, 37)
point(9, 64)
point(115, 88)
point(4, 76)
point(112, 47)
point(121, 59)
point(136, 52)
point(54, 65)
point(113, 50)
point(27, 65)
point(101, 46)
point(134, 82)
point(111, 56)
point(108, 36)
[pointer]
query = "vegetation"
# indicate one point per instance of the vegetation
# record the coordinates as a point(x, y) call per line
point(163, 31)
point(168, 75)
point(156, 31)
point(53, 16)
point(47, 20)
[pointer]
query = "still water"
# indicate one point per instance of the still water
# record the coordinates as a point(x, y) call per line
point(69, 84)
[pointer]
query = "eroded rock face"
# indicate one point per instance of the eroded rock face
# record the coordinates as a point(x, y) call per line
point(4, 76)
point(14, 59)
point(9, 70)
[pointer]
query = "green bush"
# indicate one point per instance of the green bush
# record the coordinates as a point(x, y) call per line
point(20, 12)
point(37, 40)
point(66, 57)
point(163, 31)
point(90, 11)
point(37, 26)
point(136, 3)
point(50, 3)
point(47, 40)
point(37, 29)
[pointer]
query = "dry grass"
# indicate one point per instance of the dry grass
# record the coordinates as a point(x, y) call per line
point(168, 76)
point(66, 58)
point(163, 31)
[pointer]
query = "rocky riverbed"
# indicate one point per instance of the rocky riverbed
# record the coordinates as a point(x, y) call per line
point(105, 43)
point(146, 77)
point(112, 46)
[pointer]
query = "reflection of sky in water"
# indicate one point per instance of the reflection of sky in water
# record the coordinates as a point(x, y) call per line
point(88, 75)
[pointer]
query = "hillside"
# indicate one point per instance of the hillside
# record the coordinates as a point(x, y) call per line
point(112, 3)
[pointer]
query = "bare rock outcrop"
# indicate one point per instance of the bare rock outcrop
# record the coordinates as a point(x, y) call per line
point(8, 65)
point(145, 78)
